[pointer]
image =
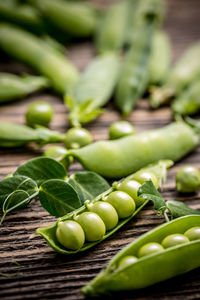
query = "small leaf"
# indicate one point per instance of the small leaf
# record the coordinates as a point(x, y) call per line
point(58, 197)
point(148, 192)
point(178, 209)
point(88, 185)
point(16, 199)
point(41, 169)
point(18, 182)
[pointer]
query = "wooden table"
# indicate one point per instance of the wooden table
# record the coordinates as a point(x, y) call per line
point(47, 275)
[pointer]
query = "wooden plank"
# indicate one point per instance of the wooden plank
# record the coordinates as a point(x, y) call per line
point(47, 275)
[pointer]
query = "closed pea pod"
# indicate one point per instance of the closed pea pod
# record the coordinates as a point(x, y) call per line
point(94, 89)
point(77, 19)
point(13, 87)
point(105, 215)
point(112, 27)
point(33, 51)
point(184, 72)
point(144, 271)
point(118, 158)
point(188, 102)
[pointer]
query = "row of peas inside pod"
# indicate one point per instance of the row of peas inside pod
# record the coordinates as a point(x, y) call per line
point(162, 253)
point(102, 216)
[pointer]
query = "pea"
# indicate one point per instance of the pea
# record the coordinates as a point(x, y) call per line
point(131, 188)
point(193, 233)
point(106, 212)
point(188, 179)
point(39, 113)
point(57, 152)
point(70, 234)
point(92, 225)
point(149, 248)
point(122, 202)
point(174, 240)
point(77, 137)
point(127, 260)
point(143, 176)
point(120, 129)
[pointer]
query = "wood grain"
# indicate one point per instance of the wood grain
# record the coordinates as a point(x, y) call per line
point(47, 275)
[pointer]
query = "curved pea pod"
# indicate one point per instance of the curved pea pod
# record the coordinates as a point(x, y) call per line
point(13, 86)
point(14, 135)
point(118, 158)
point(22, 15)
point(33, 51)
point(77, 19)
point(184, 73)
point(94, 89)
point(112, 27)
point(188, 102)
point(160, 57)
point(152, 268)
point(49, 233)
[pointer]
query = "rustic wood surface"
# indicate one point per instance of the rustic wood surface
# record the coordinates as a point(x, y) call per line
point(47, 275)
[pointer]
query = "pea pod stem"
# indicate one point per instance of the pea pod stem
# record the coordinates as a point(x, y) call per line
point(13, 86)
point(49, 233)
point(144, 272)
point(33, 51)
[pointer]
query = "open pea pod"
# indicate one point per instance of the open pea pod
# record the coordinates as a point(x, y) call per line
point(49, 233)
point(151, 268)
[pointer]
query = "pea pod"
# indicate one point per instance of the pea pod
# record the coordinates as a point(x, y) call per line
point(33, 51)
point(151, 268)
point(14, 135)
point(118, 158)
point(94, 89)
point(13, 87)
point(160, 57)
point(78, 19)
point(22, 15)
point(112, 27)
point(184, 73)
point(188, 102)
point(135, 73)
point(49, 233)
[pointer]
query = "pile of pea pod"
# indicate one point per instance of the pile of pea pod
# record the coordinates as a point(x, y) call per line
point(128, 38)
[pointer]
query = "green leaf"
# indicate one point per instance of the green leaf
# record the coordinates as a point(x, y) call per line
point(88, 185)
point(41, 169)
point(148, 192)
point(178, 209)
point(17, 199)
point(18, 182)
point(58, 197)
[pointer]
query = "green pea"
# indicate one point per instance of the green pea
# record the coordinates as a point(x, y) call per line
point(120, 129)
point(149, 248)
point(143, 176)
point(70, 234)
point(92, 225)
point(193, 233)
point(57, 152)
point(77, 137)
point(127, 260)
point(131, 188)
point(188, 179)
point(106, 212)
point(174, 240)
point(122, 202)
point(39, 113)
